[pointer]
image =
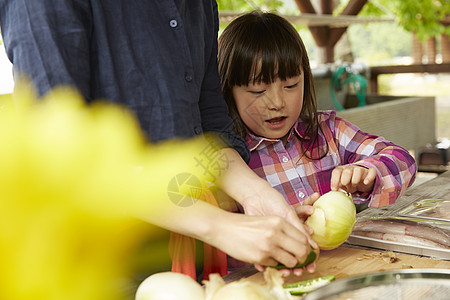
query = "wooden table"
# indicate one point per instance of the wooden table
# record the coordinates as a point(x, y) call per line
point(347, 261)
point(343, 261)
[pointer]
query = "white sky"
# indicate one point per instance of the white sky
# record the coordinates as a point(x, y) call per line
point(6, 79)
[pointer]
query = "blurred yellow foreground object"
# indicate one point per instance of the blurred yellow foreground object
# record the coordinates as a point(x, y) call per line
point(71, 177)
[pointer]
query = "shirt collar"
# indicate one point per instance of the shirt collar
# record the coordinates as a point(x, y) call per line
point(253, 141)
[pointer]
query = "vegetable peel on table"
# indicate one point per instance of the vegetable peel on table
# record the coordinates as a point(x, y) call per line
point(307, 286)
point(272, 289)
point(174, 286)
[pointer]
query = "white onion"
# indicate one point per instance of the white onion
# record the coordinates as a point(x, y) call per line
point(240, 290)
point(333, 219)
point(170, 286)
point(272, 289)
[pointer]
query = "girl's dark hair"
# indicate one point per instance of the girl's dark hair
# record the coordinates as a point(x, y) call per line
point(261, 47)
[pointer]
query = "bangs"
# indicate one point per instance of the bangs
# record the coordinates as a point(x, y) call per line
point(262, 47)
point(265, 52)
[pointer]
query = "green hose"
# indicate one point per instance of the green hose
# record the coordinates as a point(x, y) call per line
point(358, 82)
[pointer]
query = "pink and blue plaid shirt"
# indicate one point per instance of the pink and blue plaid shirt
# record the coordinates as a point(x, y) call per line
point(296, 176)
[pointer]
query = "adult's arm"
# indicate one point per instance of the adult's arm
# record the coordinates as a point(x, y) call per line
point(43, 38)
point(258, 198)
point(237, 180)
point(214, 110)
point(262, 240)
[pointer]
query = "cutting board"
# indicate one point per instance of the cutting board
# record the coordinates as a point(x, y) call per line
point(343, 262)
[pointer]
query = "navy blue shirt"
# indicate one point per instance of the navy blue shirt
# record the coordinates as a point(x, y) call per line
point(158, 57)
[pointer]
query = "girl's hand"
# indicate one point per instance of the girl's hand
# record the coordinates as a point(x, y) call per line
point(306, 209)
point(353, 178)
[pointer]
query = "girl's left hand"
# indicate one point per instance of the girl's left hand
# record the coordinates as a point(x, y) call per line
point(353, 178)
point(306, 208)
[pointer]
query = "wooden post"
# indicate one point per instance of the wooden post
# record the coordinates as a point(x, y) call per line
point(417, 50)
point(352, 9)
point(431, 50)
point(445, 48)
point(325, 36)
point(375, 71)
point(373, 83)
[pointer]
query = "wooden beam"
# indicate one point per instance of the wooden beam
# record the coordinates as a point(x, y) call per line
point(319, 33)
point(325, 36)
point(327, 7)
point(305, 6)
point(352, 9)
point(414, 68)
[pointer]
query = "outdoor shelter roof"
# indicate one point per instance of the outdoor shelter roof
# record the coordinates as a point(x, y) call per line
point(313, 20)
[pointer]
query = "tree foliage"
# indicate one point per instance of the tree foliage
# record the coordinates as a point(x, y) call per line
point(422, 17)
point(378, 43)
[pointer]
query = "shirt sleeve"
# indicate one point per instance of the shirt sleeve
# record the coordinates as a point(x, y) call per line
point(396, 168)
point(42, 36)
point(214, 111)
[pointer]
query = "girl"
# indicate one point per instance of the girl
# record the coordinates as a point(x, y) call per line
point(268, 85)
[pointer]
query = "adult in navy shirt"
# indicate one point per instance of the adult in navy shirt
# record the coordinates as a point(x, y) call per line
point(159, 59)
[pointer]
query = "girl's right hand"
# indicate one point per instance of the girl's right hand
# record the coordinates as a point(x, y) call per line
point(353, 178)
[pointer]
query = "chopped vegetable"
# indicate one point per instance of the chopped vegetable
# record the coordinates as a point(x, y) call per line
point(272, 289)
point(306, 286)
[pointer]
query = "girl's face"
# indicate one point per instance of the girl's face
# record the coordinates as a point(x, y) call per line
point(270, 110)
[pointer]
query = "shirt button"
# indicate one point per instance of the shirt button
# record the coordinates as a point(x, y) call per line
point(301, 194)
point(285, 159)
point(197, 130)
point(173, 23)
point(188, 77)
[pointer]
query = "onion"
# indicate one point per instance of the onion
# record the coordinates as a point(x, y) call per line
point(170, 286)
point(333, 219)
point(271, 289)
point(243, 290)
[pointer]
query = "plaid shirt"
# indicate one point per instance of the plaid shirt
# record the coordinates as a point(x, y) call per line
point(296, 176)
